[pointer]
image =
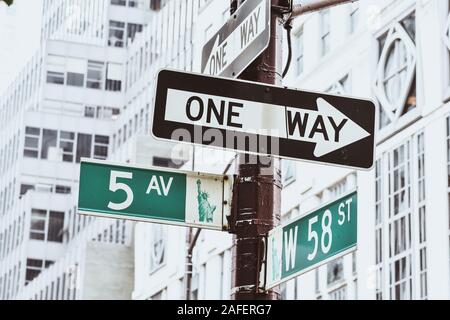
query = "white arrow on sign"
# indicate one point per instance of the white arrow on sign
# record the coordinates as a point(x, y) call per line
point(327, 127)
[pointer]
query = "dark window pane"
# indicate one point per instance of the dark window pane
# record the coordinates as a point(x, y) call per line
point(48, 140)
point(32, 142)
point(62, 189)
point(66, 146)
point(67, 157)
point(100, 152)
point(75, 79)
point(132, 29)
point(32, 131)
point(67, 135)
point(34, 263)
point(119, 2)
point(84, 145)
point(31, 274)
point(113, 85)
point(30, 154)
point(102, 139)
point(37, 236)
point(55, 226)
point(25, 187)
point(93, 84)
point(55, 77)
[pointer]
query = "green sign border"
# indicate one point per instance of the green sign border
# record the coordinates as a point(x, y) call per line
point(318, 264)
point(227, 181)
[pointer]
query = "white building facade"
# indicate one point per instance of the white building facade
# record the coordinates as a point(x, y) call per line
point(68, 102)
point(396, 53)
point(88, 92)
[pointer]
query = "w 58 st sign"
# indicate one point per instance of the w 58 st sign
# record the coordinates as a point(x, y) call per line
point(312, 240)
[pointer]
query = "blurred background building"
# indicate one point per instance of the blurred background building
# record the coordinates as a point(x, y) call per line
point(88, 92)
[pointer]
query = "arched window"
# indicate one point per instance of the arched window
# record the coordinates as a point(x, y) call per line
point(395, 86)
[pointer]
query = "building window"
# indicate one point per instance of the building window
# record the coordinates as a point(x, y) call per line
point(101, 147)
point(339, 294)
point(95, 75)
point(25, 187)
point(395, 85)
point(354, 17)
point(127, 3)
point(49, 140)
point(116, 33)
point(335, 271)
point(75, 79)
point(55, 226)
point(66, 144)
point(55, 69)
point(155, 5)
point(157, 247)
point(447, 57)
point(38, 222)
point(399, 210)
point(47, 225)
point(325, 32)
point(119, 2)
point(55, 77)
point(317, 280)
point(89, 112)
point(448, 173)
point(288, 172)
point(84, 146)
point(35, 267)
point(132, 29)
point(32, 141)
point(299, 61)
point(114, 77)
point(63, 189)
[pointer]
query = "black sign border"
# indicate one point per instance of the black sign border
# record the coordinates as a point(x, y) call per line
point(358, 155)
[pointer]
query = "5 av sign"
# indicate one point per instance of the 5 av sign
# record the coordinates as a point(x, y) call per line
point(239, 41)
point(154, 195)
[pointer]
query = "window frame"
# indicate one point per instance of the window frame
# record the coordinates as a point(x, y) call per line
point(300, 52)
point(325, 32)
point(385, 184)
point(400, 120)
point(446, 50)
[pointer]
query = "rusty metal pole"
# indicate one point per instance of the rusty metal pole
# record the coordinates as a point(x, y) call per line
point(258, 183)
point(316, 5)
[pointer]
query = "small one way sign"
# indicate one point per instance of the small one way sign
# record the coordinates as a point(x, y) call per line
point(245, 35)
point(264, 119)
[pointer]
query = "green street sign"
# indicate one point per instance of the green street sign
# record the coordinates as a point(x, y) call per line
point(312, 240)
point(154, 195)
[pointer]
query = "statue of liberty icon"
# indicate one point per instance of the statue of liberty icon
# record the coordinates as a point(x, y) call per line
point(205, 209)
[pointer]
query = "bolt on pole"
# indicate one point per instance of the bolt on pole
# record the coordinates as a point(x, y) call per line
point(258, 183)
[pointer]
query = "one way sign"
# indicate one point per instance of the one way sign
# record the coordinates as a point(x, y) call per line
point(245, 35)
point(264, 119)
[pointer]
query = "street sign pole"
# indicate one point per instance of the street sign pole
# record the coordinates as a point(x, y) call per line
point(258, 185)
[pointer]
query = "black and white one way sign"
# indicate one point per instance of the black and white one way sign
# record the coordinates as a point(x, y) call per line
point(264, 119)
point(245, 35)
